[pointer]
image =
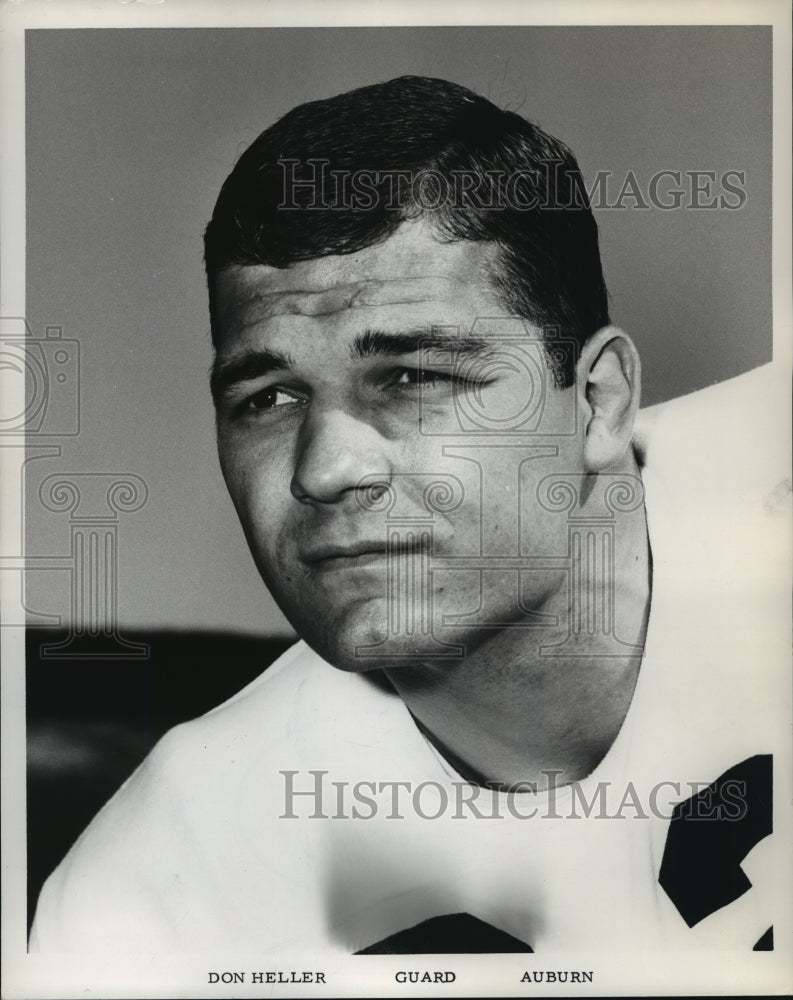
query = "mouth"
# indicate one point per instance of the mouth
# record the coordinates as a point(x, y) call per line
point(357, 555)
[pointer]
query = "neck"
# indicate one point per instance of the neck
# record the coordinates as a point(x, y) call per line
point(526, 702)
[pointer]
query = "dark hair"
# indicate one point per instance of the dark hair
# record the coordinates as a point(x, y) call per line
point(338, 175)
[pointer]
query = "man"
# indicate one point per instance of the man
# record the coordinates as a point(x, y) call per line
point(542, 729)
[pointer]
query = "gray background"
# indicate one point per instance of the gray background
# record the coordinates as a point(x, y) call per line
point(130, 134)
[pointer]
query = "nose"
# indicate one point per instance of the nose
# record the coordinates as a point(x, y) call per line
point(335, 451)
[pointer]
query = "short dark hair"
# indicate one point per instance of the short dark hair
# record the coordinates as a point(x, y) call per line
point(338, 175)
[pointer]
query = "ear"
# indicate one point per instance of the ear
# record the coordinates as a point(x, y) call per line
point(608, 376)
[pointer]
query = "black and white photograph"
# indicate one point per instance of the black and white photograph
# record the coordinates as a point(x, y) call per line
point(396, 494)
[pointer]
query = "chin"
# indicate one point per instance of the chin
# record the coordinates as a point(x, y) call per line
point(358, 641)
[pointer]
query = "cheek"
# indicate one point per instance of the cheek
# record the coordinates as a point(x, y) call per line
point(232, 464)
point(258, 485)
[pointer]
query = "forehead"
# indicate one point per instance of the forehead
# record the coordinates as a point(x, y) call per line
point(410, 272)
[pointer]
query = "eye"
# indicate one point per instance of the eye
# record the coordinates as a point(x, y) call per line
point(422, 377)
point(266, 400)
point(409, 380)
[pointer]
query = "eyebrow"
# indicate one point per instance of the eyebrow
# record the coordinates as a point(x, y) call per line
point(245, 367)
point(256, 363)
point(381, 343)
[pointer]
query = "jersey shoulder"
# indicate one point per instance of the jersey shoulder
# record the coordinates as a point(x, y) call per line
point(120, 882)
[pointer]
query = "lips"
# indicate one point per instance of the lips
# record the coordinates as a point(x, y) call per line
point(356, 553)
point(322, 553)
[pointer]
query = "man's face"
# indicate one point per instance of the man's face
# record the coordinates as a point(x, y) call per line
point(383, 427)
